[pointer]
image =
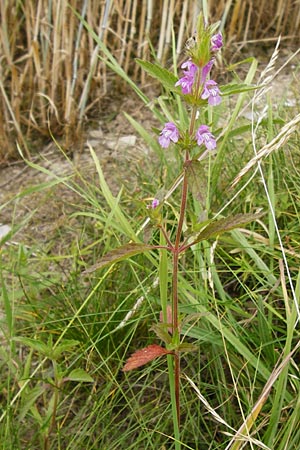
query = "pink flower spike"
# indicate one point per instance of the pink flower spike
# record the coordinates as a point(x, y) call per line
point(204, 136)
point(211, 92)
point(187, 81)
point(216, 42)
point(168, 134)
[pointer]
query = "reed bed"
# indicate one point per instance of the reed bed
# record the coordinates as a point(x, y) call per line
point(51, 76)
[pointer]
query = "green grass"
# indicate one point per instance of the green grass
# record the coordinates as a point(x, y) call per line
point(240, 289)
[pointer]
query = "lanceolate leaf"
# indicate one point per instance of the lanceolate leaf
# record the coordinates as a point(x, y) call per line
point(79, 375)
point(143, 356)
point(119, 254)
point(167, 78)
point(217, 227)
point(66, 346)
point(235, 88)
point(196, 180)
point(186, 347)
point(35, 344)
point(161, 331)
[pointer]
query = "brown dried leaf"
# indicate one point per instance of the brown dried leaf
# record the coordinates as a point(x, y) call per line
point(143, 356)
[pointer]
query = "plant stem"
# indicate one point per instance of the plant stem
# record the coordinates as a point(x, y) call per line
point(175, 323)
point(54, 409)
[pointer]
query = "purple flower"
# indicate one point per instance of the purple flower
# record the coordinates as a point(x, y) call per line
point(187, 81)
point(169, 133)
point(186, 84)
point(191, 67)
point(204, 136)
point(154, 204)
point(216, 42)
point(211, 92)
point(206, 69)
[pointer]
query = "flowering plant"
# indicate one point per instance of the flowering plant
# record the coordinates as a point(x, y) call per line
point(194, 140)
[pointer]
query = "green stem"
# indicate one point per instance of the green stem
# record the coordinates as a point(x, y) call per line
point(163, 282)
point(54, 410)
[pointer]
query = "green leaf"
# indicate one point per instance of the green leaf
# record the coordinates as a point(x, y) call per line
point(196, 180)
point(194, 317)
point(65, 346)
point(30, 398)
point(185, 347)
point(167, 78)
point(80, 375)
point(119, 254)
point(35, 344)
point(160, 329)
point(217, 227)
point(148, 138)
point(237, 88)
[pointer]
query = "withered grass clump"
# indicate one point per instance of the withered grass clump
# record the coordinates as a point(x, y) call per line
point(51, 76)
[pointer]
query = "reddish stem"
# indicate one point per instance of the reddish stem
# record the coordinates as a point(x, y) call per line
point(176, 250)
point(170, 245)
point(175, 324)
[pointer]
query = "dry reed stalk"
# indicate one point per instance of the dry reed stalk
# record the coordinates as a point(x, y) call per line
point(102, 26)
point(248, 20)
point(223, 12)
point(100, 69)
point(147, 34)
point(141, 36)
point(51, 75)
point(195, 12)
point(259, 16)
point(236, 23)
point(126, 20)
point(163, 26)
point(282, 7)
point(170, 26)
point(182, 26)
point(70, 97)
point(130, 44)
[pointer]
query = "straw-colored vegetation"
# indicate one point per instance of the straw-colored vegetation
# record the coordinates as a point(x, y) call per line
point(51, 74)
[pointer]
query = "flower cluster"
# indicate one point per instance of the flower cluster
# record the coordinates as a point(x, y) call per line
point(187, 81)
point(207, 89)
point(203, 136)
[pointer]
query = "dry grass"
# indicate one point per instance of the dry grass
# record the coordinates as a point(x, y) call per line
point(51, 76)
